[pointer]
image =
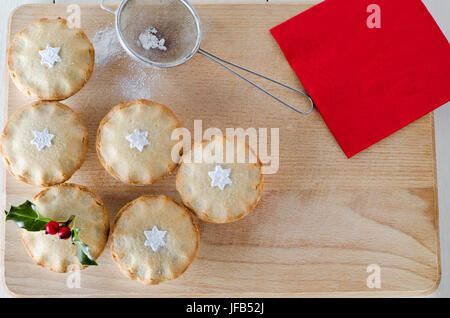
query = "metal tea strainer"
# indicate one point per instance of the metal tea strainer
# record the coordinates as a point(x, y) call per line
point(179, 24)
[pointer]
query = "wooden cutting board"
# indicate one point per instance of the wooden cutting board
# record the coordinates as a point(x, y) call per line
point(323, 219)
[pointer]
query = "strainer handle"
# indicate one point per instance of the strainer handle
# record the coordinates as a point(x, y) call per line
point(106, 8)
point(221, 62)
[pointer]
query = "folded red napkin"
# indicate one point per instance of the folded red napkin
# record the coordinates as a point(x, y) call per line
point(367, 76)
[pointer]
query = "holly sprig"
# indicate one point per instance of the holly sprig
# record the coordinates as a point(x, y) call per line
point(28, 218)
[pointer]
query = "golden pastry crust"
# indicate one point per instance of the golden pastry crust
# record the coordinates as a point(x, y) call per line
point(59, 203)
point(140, 262)
point(51, 165)
point(66, 77)
point(211, 204)
point(128, 164)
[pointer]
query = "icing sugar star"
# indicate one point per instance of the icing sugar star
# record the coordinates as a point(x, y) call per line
point(50, 56)
point(42, 139)
point(220, 177)
point(155, 238)
point(138, 139)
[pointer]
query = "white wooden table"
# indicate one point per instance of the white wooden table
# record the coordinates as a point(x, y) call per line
point(440, 9)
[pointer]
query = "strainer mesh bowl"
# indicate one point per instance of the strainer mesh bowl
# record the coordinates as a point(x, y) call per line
point(175, 21)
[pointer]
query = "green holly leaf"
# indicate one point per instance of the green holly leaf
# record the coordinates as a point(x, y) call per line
point(83, 253)
point(26, 217)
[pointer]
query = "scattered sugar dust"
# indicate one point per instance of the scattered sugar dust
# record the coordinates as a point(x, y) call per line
point(106, 45)
point(140, 79)
point(139, 82)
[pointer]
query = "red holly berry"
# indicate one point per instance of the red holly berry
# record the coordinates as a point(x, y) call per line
point(51, 228)
point(64, 233)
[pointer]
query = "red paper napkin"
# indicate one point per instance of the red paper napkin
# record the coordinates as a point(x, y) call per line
point(368, 82)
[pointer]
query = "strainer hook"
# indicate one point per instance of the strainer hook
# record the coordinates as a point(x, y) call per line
point(106, 8)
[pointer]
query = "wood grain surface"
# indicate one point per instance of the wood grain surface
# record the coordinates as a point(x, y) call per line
point(323, 218)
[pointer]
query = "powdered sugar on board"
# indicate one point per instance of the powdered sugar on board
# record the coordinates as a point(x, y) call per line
point(139, 81)
point(106, 46)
